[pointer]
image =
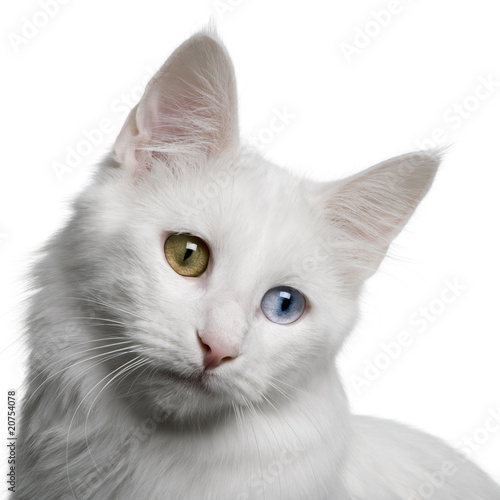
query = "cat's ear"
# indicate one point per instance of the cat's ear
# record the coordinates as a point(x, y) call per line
point(189, 106)
point(368, 210)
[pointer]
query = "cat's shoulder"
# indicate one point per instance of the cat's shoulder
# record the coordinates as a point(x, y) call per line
point(389, 460)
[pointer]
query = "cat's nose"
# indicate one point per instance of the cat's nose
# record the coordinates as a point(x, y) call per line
point(222, 332)
point(217, 350)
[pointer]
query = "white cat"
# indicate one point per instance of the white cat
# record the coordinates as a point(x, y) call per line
point(184, 324)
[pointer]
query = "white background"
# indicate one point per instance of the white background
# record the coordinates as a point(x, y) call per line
point(92, 57)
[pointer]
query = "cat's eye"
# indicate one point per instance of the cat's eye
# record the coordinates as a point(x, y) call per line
point(283, 304)
point(187, 255)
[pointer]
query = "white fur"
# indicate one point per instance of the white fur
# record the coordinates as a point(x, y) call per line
point(111, 411)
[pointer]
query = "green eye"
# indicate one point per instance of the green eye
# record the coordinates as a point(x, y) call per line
point(187, 255)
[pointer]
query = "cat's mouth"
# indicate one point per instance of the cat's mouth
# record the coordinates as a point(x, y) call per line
point(198, 379)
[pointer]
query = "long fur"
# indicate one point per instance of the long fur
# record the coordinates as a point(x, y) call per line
point(118, 405)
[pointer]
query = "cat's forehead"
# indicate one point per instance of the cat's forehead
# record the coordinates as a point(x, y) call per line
point(243, 200)
point(248, 212)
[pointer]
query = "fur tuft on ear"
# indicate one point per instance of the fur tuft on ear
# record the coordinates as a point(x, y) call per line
point(189, 107)
point(369, 209)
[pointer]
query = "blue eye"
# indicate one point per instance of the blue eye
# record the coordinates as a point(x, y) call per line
point(283, 305)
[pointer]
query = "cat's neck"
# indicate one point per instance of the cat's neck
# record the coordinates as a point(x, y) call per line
point(308, 419)
point(306, 433)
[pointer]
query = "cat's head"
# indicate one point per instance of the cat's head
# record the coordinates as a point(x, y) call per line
point(229, 279)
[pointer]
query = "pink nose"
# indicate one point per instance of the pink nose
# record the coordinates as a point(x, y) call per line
point(217, 350)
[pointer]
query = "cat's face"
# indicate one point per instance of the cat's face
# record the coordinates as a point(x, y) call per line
point(229, 280)
point(262, 231)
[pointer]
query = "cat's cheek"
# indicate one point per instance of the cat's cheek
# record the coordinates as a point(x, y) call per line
point(282, 341)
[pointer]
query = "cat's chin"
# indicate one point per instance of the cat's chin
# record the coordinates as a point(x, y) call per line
point(193, 397)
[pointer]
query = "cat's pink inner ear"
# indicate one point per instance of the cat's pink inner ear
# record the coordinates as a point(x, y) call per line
point(128, 141)
point(190, 106)
point(369, 209)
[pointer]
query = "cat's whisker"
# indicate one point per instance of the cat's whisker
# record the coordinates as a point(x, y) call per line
point(96, 318)
point(111, 306)
point(282, 382)
point(123, 372)
point(109, 326)
point(286, 423)
point(105, 304)
point(104, 346)
point(152, 374)
point(84, 360)
point(104, 360)
point(147, 366)
point(311, 418)
point(280, 390)
point(251, 409)
point(76, 355)
point(82, 400)
point(265, 398)
point(101, 339)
